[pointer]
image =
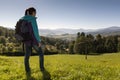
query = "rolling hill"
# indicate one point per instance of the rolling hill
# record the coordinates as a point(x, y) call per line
point(70, 34)
point(107, 31)
point(104, 31)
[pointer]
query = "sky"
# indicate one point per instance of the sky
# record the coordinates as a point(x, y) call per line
point(71, 14)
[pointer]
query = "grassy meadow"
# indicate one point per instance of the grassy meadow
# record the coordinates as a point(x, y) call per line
point(63, 67)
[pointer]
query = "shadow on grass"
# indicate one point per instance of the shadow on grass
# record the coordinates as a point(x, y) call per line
point(92, 54)
point(17, 54)
point(29, 77)
point(23, 53)
point(46, 75)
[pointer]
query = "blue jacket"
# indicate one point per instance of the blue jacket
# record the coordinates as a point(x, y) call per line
point(32, 19)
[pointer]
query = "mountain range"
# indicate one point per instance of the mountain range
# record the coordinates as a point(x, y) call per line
point(47, 32)
point(114, 30)
point(70, 34)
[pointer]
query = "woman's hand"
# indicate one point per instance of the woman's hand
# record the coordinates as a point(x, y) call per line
point(39, 45)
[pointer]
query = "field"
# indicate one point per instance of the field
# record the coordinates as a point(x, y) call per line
point(63, 67)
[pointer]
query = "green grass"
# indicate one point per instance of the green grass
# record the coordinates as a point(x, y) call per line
point(63, 67)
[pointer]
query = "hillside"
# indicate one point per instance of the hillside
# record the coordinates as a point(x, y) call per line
point(107, 31)
point(70, 34)
point(49, 32)
point(9, 46)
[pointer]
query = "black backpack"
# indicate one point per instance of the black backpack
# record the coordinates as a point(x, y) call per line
point(22, 31)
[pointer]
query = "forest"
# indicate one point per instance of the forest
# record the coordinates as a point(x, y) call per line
point(83, 44)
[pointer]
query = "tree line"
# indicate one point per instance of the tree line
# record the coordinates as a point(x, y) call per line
point(87, 43)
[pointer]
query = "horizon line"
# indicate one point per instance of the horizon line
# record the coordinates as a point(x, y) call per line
point(66, 28)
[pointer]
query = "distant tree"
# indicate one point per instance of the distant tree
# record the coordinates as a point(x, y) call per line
point(76, 47)
point(6, 33)
point(10, 47)
point(82, 34)
point(78, 34)
point(119, 46)
point(4, 49)
point(11, 33)
point(71, 47)
point(80, 44)
point(2, 40)
point(115, 43)
point(2, 32)
point(111, 44)
point(46, 51)
point(90, 43)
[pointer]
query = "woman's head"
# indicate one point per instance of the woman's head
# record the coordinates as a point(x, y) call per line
point(30, 11)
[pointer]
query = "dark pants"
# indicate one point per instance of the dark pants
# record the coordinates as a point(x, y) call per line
point(28, 51)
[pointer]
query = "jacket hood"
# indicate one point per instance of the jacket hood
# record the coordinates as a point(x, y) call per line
point(28, 17)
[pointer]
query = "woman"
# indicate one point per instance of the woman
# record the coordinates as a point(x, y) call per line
point(36, 43)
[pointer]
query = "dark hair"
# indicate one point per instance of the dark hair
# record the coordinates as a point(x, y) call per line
point(30, 11)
